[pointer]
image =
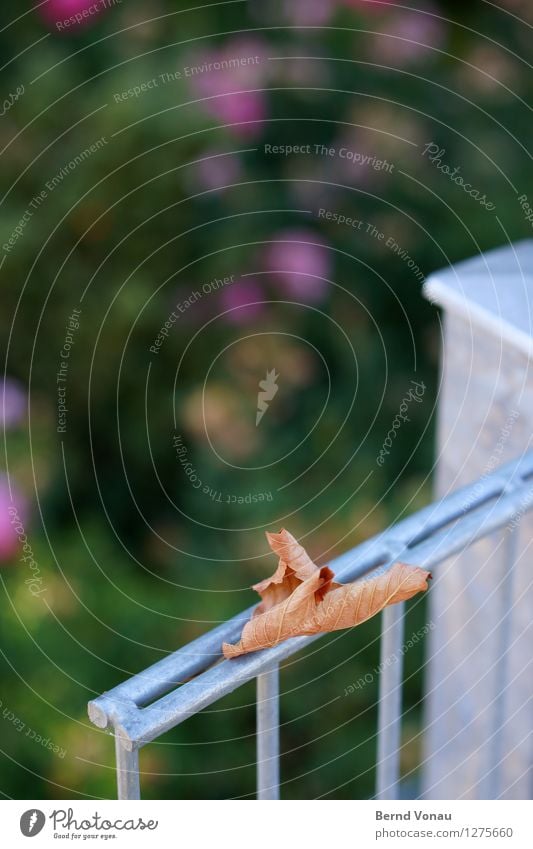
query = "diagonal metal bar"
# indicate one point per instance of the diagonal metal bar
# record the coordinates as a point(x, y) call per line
point(167, 673)
point(426, 538)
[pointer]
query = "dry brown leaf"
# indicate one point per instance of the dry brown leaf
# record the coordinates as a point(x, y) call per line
point(313, 604)
point(294, 567)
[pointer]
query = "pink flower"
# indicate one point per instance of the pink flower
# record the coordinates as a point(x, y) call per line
point(232, 78)
point(299, 262)
point(408, 36)
point(245, 300)
point(216, 170)
point(244, 110)
point(12, 518)
point(69, 14)
point(12, 403)
point(367, 5)
point(310, 13)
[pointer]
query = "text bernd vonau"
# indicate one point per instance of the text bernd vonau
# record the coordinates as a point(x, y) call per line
point(416, 815)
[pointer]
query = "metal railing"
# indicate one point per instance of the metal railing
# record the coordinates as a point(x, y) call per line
point(147, 705)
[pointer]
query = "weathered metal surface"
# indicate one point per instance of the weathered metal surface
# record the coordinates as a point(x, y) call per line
point(479, 690)
point(128, 778)
point(390, 703)
point(425, 539)
point(268, 735)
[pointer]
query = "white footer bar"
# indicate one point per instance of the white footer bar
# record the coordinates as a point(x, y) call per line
point(236, 824)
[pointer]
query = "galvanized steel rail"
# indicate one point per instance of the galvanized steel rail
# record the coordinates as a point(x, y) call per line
point(147, 705)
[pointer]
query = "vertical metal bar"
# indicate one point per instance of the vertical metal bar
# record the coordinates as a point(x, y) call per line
point(390, 703)
point(128, 784)
point(496, 746)
point(268, 735)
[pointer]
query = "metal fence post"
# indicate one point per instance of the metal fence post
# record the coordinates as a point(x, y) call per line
point(128, 782)
point(268, 735)
point(390, 703)
point(485, 418)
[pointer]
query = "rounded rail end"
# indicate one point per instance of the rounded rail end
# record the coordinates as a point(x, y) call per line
point(97, 714)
